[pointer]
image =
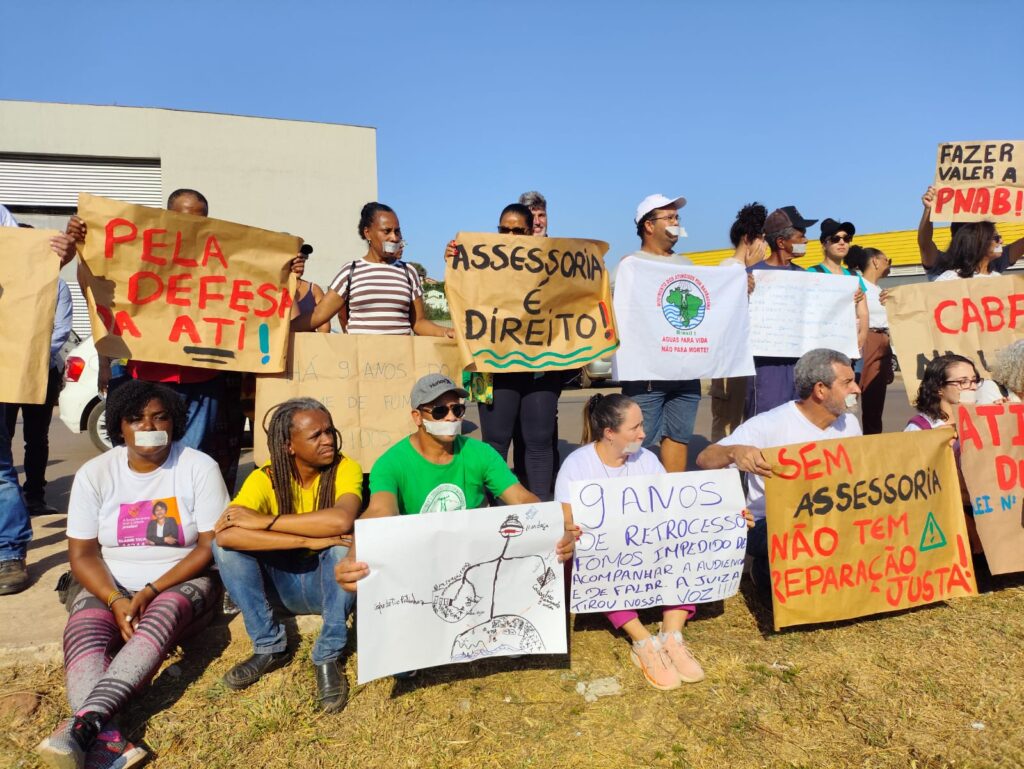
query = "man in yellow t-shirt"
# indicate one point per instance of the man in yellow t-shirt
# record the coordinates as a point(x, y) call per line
point(280, 539)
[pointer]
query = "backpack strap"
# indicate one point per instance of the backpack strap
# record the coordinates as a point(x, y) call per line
point(921, 421)
point(343, 315)
point(818, 268)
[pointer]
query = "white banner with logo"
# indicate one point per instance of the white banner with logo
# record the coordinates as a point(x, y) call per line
point(793, 312)
point(681, 322)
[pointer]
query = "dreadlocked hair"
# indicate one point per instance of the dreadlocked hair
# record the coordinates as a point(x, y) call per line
point(284, 478)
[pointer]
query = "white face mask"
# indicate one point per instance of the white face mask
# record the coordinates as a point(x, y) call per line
point(998, 250)
point(151, 439)
point(675, 231)
point(631, 448)
point(851, 401)
point(443, 428)
point(968, 396)
point(799, 249)
point(391, 248)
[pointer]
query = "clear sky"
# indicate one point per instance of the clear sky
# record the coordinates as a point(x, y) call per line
point(836, 107)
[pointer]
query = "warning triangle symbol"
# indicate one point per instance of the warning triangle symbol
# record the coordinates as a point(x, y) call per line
point(932, 536)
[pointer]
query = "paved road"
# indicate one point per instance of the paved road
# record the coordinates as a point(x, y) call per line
point(33, 620)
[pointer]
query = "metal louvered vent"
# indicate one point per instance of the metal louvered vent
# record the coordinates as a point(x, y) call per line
point(56, 180)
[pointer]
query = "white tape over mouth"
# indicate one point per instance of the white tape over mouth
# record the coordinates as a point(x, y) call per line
point(151, 439)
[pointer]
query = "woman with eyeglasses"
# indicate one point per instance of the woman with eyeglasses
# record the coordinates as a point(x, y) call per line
point(948, 381)
point(379, 293)
point(522, 403)
point(971, 253)
point(876, 362)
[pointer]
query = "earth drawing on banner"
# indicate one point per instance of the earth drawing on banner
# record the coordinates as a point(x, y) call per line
point(684, 301)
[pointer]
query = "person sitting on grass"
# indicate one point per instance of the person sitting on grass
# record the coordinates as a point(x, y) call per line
point(130, 602)
point(437, 469)
point(280, 540)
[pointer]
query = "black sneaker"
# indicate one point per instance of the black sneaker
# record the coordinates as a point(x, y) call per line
point(331, 687)
point(247, 672)
point(13, 576)
point(38, 506)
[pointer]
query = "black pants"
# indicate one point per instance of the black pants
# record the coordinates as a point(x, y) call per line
point(532, 403)
point(35, 430)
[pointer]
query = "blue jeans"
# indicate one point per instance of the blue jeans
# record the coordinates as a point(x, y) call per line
point(669, 408)
point(295, 581)
point(201, 401)
point(15, 525)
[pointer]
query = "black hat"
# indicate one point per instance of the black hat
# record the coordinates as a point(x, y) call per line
point(830, 227)
point(798, 221)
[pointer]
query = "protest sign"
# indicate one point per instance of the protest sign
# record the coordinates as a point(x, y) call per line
point(187, 290)
point(793, 312)
point(365, 380)
point(657, 540)
point(978, 181)
point(28, 300)
point(680, 322)
point(974, 318)
point(458, 586)
point(522, 303)
point(992, 462)
point(850, 535)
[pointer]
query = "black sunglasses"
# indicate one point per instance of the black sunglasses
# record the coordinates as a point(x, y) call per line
point(513, 231)
point(440, 412)
point(840, 239)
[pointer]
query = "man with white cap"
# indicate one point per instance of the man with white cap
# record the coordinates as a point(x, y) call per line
point(669, 407)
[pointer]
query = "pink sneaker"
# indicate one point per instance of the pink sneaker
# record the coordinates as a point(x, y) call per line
point(655, 664)
point(683, 661)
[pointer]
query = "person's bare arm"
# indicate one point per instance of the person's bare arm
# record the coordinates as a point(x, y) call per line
point(424, 327)
point(925, 232)
point(318, 296)
point(328, 307)
point(861, 307)
point(1014, 251)
point(746, 458)
point(349, 571)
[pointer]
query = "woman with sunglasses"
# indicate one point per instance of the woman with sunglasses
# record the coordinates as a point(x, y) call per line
point(971, 253)
point(876, 370)
point(836, 239)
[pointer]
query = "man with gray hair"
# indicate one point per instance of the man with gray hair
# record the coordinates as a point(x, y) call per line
point(539, 208)
point(826, 394)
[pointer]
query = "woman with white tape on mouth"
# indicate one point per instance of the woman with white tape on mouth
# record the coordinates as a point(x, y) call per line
point(129, 601)
point(379, 293)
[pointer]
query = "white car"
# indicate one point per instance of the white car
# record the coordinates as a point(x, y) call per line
point(81, 407)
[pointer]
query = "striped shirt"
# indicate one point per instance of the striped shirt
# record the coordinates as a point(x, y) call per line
point(379, 296)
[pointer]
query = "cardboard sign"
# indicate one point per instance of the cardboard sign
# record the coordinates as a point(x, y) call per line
point(865, 525)
point(794, 312)
point(28, 300)
point(522, 303)
point(469, 584)
point(657, 540)
point(977, 181)
point(992, 462)
point(680, 322)
point(973, 318)
point(365, 380)
point(187, 290)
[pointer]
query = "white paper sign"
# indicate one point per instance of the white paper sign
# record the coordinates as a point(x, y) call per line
point(657, 540)
point(458, 586)
point(680, 322)
point(793, 312)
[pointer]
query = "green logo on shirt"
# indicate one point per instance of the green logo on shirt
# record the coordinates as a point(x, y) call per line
point(447, 496)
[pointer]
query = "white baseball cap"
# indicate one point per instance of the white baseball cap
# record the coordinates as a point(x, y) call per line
point(658, 200)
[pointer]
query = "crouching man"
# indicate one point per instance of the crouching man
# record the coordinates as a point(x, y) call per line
point(279, 541)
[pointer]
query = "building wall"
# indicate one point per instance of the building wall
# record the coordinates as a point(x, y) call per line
point(309, 179)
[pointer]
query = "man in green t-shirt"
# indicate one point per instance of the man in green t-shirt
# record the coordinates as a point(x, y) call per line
point(437, 469)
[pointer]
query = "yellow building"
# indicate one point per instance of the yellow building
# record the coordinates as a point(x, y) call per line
point(900, 246)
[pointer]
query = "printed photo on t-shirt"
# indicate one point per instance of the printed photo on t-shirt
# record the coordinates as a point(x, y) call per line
point(155, 522)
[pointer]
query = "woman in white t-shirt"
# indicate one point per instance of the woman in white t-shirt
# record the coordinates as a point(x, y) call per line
point(379, 293)
point(130, 601)
point(974, 247)
point(613, 431)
